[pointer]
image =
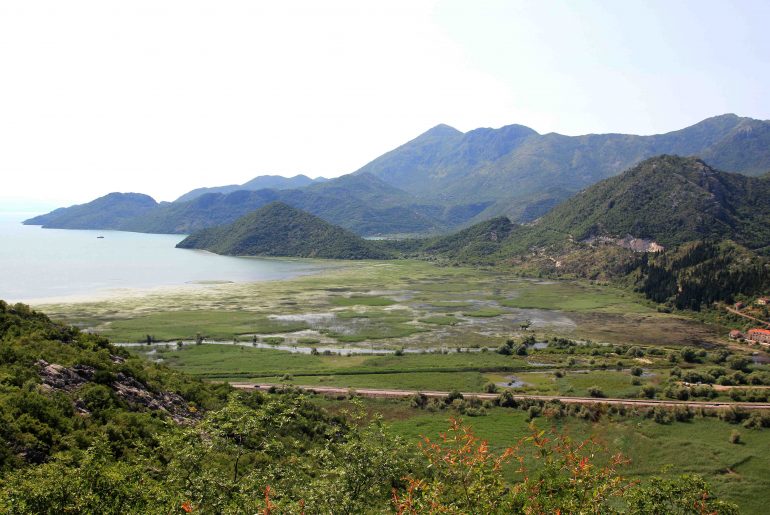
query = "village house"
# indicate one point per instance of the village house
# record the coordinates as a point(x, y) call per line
point(759, 336)
point(739, 305)
point(736, 334)
point(763, 301)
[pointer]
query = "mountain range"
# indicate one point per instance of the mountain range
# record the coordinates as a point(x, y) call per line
point(442, 180)
point(360, 203)
point(522, 174)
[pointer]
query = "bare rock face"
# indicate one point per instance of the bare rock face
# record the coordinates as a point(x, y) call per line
point(127, 388)
point(134, 392)
point(57, 377)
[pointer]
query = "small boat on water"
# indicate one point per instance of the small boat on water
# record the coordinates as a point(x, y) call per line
point(100, 237)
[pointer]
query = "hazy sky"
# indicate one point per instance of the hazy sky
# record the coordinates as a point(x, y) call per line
point(163, 96)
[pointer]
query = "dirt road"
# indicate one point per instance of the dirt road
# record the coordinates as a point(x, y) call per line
point(744, 315)
point(370, 392)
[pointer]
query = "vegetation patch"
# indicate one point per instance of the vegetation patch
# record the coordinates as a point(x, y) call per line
point(440, 320)
point(484, 313)
point(185, 325)
point(579, 297)
point(362, 300)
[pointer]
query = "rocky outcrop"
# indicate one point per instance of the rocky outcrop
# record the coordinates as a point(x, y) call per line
point(58, 377)
point(129, 389)
point(627, 242)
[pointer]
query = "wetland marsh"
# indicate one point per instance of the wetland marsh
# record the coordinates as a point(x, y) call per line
point(435, 328)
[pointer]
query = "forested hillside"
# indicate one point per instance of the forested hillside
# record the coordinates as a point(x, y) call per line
point(112, 211)
point(280, 230)
point(670, 200)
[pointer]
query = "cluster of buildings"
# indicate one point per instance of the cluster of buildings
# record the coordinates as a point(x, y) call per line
point(757, 335)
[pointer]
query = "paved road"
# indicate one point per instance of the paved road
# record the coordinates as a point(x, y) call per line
point(370, 392)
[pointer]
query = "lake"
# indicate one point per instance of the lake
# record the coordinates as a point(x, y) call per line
point(44, 264)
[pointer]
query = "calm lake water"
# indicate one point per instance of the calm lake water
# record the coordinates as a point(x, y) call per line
point(41, 264)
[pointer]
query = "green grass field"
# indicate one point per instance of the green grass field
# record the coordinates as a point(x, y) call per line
point(577, 296)
point(441, 381)
point(242, 362)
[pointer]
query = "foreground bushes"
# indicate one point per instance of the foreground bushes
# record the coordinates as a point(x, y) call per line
point(278, 455)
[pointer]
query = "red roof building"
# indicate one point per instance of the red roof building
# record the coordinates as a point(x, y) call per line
point(759, 335)
point(736, 334)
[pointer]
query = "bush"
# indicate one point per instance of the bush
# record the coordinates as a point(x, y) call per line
point(453, 396)
point(419, 400)
point(648, 391)
point(735, 437)
point(490, 387)
point(661, 415)
point(595, 391)
point(506, 400)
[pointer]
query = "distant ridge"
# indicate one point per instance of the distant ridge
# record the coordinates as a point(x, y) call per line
point(275, 182)
point(112, 211)
point(281, 230)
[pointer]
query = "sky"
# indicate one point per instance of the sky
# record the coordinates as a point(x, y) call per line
point(162, 96)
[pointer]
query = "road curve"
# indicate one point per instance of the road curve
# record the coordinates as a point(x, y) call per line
point(371, 392)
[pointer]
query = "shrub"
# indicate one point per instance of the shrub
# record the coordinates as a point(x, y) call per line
point(452, 396)
point(419, 400)
point(595, 391)
point(735, 437)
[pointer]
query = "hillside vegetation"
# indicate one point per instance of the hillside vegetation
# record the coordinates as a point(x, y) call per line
point(671, 200)
point(112, 211)
point(280, 230)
